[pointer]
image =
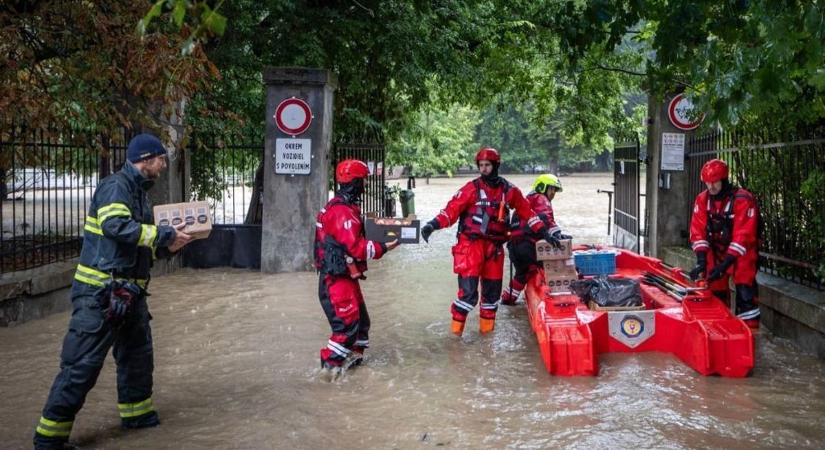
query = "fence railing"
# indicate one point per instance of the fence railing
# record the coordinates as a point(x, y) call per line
point(787, 176)
point(373, 155)
point(224, 174)
point(47, 178)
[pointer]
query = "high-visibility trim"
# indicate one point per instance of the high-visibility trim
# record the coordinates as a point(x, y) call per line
point(493, 306)
point(93, 225)
point(700, 245)
point(113, 210)
point(52, 428)
point(737, 248)
point(747, 315)
point(129, 410)
point(337, 348)
point(97, 278)
point(148, 233)
point(462, 305)
point(91, 276)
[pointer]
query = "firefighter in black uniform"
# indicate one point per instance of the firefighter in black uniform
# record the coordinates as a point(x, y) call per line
point(109, 298)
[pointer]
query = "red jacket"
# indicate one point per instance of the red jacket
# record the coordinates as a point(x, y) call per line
point(540, 205)
point(728, 225)
point(477, 206)
point(342, 222)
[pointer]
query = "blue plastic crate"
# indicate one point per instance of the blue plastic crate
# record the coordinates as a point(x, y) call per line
point(595, 262)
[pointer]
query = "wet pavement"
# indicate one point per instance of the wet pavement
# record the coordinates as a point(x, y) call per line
point(236, 356)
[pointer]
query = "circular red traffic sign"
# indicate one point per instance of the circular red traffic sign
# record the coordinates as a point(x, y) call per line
point(293, 116)
point(679, 112)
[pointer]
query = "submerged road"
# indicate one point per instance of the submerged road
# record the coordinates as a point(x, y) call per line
point(236, 356)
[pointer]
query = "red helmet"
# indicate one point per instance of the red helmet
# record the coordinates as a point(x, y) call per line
point(350, 169)
point(714, 170)
point(488, 154)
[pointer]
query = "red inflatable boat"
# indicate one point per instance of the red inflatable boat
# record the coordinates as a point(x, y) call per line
point(676, 318)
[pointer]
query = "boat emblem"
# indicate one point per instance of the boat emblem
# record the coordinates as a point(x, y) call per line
point(631, 328)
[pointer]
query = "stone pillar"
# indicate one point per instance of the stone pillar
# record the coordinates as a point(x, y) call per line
point(291, 201)
point(667, 190)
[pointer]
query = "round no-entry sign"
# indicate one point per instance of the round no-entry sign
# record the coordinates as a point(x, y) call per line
point(293, 116)
point(679, 111)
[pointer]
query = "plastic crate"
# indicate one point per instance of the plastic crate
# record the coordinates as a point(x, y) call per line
point(595, 262)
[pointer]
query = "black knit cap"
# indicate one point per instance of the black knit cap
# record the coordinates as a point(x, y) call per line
point(144, 146)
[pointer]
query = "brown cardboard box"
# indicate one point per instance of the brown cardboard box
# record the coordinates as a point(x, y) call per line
point(560, 282)
point(387, 229)
point(545, 251)
point(559, 266)
point(195, 214)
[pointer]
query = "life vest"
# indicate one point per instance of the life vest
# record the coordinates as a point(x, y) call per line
point(321, 236)
point(719, 227)
point(490, 218)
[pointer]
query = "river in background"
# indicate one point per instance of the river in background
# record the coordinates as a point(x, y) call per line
point(236, 356)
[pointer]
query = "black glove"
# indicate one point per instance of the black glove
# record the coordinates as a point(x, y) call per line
point(701, 266)
point(552, 239)
point(428, 229)
point(561, 236)
point(122, 295)
point(720, 270)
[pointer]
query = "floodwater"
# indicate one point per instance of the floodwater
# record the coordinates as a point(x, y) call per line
point(236, 355)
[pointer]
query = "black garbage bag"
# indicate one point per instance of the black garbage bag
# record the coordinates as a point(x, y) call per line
point(608, 291)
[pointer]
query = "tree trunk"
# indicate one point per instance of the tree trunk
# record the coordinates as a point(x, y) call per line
point(254, 215)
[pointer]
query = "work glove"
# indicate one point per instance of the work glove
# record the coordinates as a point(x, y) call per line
point(701, 266)
point(122, 295)
point(720, 270)
point(428, 229)
point(552, 239)
point(561, 236)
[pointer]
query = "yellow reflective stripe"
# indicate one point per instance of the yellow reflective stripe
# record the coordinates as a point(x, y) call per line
point(97, 278)
point(135, 409)
point(51, 428)
point(91, 276)
point(148, 233)
point(112, 210)
point(92, 220)
point(86, 280)
point(93, 272)
point(91, 229)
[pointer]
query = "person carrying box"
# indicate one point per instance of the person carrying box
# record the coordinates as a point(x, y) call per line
point(522, 245)
point(120, 242)
point(341, 254)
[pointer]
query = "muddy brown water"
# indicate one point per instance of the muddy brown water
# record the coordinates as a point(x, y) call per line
point(236, 355)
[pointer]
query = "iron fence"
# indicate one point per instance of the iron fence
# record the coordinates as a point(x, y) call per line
point(627, 179)
point(226, 175)
point(372, 154)
point(787, 176)
point(47, 177)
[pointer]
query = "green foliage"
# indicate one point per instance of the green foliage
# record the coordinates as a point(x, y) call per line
point(436, 140)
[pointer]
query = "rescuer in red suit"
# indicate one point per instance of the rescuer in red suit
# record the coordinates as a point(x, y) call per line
point(482, 208)
point(341, 254)
point(724, 231)
point(522, 245)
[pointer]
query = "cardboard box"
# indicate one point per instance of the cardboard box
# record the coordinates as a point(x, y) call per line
point(567, 266)
point(546, 252)
point(387, 229)
point(560, 282)
point(195, 215)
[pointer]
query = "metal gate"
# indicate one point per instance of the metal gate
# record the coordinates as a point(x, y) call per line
point(626, 209)
point(373, 155)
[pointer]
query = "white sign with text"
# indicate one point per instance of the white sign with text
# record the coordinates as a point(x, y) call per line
point(673, 151)
point(293, 156)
